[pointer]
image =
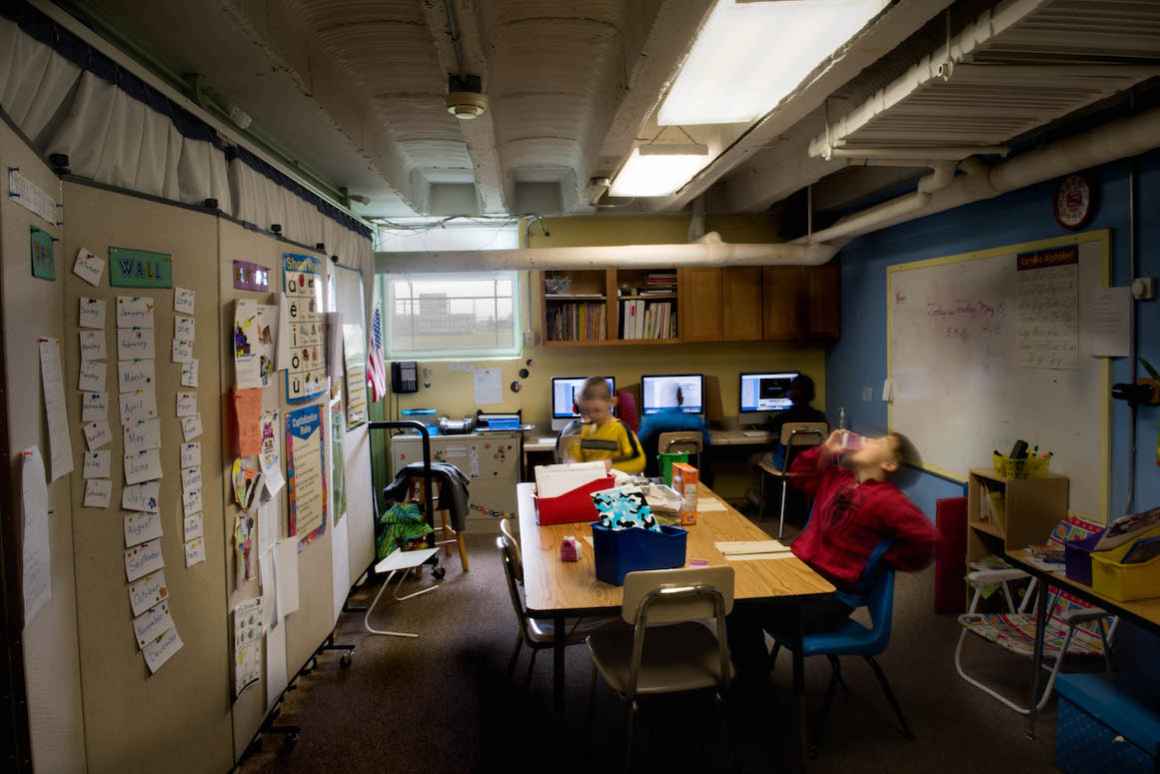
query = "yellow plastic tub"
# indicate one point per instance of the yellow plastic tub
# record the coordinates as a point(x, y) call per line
point(1125, 582)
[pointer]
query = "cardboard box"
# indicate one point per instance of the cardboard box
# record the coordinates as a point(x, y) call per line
point(685, 479)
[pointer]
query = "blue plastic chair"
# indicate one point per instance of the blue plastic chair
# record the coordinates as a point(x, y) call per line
point(875, 591)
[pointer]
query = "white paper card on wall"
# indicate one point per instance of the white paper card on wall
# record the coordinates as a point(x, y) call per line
point(138, 406)
point(98, 492)
point(141, 436)
point(55, 411)
point(151, 624)
point(189, 373)
point(143, 559)
point(191, 454)
point(143, 466)
point(98, 464)
point(97, 434)
point(268, 532)
point(185, 300)
point(35, 540)
point(247, 372)
point(488, 389)
point(91, 376)
point(92, 313)
point(162, 649)
point(286, 575)
point(191, 427)
point(93, 345)
point(184, 328)
point(134, 312)
point(94, 406)
point(135, 374)
point(140, 527)
point(191, 478)
point(193, 527)
point(182, 350)
point(147, 592)
point(135, 343)
point(1108, 322)
point(194, 552)
point(191, 501)
point(89, 267)
point(142, 497)
point(186, 404)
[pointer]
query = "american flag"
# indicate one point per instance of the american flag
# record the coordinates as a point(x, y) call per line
point(377, 373)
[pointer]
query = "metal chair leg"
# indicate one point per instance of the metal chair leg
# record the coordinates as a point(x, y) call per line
point(632, 710)
point(774, 654)
point(531, 666)
point(824, 715)
point(890, 697)
point(836, 666)
point(591, 699)
point(515, 655)
point(781, 518)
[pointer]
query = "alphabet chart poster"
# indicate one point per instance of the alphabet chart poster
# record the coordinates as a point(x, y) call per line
point(302, 283)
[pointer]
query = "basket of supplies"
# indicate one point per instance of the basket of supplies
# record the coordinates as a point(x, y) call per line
point(618, 552)
point(1033, 466)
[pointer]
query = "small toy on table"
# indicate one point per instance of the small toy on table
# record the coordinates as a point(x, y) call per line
point(570, 549)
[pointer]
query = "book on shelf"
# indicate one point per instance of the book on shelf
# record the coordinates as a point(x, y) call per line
point(641, 320)
point(576, 322)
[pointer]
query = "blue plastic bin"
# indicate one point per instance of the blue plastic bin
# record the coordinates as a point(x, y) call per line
point(619, 552)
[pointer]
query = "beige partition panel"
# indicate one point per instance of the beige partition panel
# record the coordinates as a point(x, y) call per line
point(32, 308)
point(178, 719)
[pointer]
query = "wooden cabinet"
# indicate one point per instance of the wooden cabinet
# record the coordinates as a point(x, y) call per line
point(741, 303)
point(824, 299)
point(701, 304)
point(801, 303)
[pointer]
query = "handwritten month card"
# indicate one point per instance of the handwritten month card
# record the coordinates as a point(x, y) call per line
point(138, 405)
point(143, 559)
point(94, 407)
point(91, 376)
point(92, 313)
point(92, 345)
point(135, 343)
point(185, 301)
point(191, 427)
point(98, 492)
point(97, 434)
point(98, 463)
point(134, 312)
point(141, 527)
point(135, 374)
point(142, 497)
point(151, 624)
point(189, 373)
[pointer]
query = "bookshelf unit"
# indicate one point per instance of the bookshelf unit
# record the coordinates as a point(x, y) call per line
point(1028, 510)
point(600, 292)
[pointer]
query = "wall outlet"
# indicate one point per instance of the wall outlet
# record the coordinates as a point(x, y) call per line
point(1144, 288)
point(867, 393)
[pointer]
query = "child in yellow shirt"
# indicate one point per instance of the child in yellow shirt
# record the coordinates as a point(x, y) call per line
point(603, 436)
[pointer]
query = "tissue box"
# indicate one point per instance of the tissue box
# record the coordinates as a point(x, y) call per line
point(619, 552)
point(685, 478)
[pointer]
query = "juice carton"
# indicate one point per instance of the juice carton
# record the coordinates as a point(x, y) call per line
point(685, 478)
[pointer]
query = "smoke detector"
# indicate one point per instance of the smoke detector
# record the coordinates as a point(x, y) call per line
point(465, 97)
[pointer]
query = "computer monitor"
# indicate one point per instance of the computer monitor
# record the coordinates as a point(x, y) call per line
point(667, 391)
point(765, 392)
point(565, 391)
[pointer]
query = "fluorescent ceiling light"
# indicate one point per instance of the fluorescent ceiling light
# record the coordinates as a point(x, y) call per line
point(750, 55)
point(659, 169)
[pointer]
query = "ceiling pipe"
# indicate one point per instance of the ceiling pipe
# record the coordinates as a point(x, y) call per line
point(942, 153)
point(708, 252)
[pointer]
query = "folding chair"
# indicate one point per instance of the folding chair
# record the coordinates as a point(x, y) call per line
point(682, 442)
point(793, 436)
point(1074, 628)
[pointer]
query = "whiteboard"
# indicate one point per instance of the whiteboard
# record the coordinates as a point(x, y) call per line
point(958, 389)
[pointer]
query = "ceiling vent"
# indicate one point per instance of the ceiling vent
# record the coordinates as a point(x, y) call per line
point(465, 98)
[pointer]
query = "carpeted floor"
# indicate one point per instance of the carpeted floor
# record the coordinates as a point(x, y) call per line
point(444, 702)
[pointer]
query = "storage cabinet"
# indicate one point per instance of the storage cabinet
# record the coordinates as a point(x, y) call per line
point(1007, 514)
point(702, 312)
point(801, 303)
point(741, 303)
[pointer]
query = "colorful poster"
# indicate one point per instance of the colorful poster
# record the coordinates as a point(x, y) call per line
point(255, 331)
point(302, 283)
point(354, 354)
point(337, 462)
point(249, 630)
point(43, 257)
point(306, 485)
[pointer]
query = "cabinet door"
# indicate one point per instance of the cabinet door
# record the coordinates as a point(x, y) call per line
point(741, 302)
point(700, 304)
point(782, 298)
point(824, 301)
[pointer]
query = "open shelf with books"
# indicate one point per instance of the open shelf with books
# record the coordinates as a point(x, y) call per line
point(648, 305)
point(575, 307)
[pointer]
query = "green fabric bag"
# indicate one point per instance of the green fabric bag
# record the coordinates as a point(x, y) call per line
point(401, 525)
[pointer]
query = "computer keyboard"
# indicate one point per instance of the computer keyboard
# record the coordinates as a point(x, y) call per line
point(753, 433)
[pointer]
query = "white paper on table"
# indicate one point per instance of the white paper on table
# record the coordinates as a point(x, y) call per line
point(89, 267)
point(555, 480)
point(147, 592)
point(98, 492)
point(741, 547)
point(140, 560)
point(138, 406)
point(143, 466)
point(186, 404)
point(162, 649)
point(191, 478)
point(286, 575)
point(135, 374)
point(91, 375)
point(141, 497)
point(709, 504)
point(135, 344)
point(98, 464)
point(191, 501)
point(184, 328)
point(134, 312)
point(97, 434)
point(194, 552)
point(182, 350)
point(36, 548)
point(758, 557)
point(193, 527)
point(141, 527)
point(52, 378)
point(189, 373)
point(151, 624)
point(1108, 322)
point(94, 407)
point(184, 300)
point(191, 427)
point(92, 313)
point(143, 435)
point(92, 345)
point(191, 454)
point(488, 389)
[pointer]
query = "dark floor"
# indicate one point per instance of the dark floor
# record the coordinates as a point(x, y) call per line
point(444, 703)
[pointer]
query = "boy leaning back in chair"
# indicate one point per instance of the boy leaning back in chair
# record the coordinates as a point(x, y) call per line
point(856, 507)
point(602, 436)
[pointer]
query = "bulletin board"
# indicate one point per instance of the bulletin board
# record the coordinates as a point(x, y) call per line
point(178, 718)
point(961, 386)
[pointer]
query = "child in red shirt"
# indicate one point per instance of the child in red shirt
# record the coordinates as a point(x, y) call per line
point(855, 508)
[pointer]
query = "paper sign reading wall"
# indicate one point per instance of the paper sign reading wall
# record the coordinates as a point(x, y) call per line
point(134, 343)
point(143, 466)
point(194, 552)
point(98, 492)
point(193, 527)
point(189, 373)
point(92, 345)
point(184, 301)
point(92, 313)
point(135, 374)
point(140, 436)
point(186, 404)
point(91, 376)
point(89, 267)
point(97, 434)
point(94, 407)
point(191, 427)
point(139, 268)
point(134, 312)
point(141, 497)
point(143, 559)
point(98, 463)
point(140, 527)
point(182, 350)
point(147, 592)
point(151, 624)
point(162, 649)
point(138, 405)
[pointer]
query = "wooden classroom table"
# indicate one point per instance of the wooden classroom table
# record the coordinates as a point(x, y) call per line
point(1145, 613)
point(557, 590)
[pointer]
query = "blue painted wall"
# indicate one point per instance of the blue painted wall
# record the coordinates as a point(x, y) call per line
point(859, 358)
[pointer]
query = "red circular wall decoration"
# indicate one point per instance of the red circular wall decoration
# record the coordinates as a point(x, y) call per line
point(1074, 202)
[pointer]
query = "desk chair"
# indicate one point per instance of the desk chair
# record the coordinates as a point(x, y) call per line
point(875, 591)
point(666, 648)
point(682, 442)
point(1069, 622)
point(794, 435)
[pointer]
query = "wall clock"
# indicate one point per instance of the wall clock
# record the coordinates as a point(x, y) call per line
point(1074, 202)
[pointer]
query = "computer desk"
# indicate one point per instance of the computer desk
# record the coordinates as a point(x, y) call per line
point(740, 437)
point(538, 447)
